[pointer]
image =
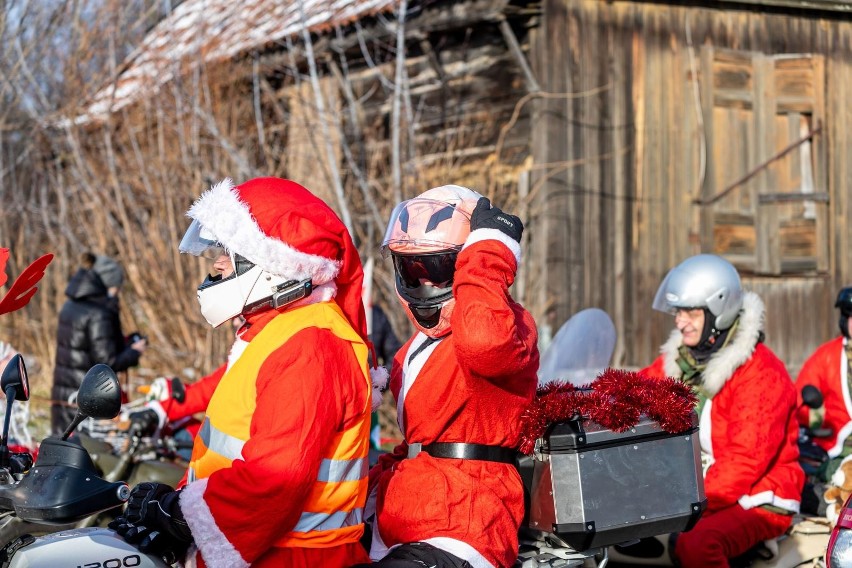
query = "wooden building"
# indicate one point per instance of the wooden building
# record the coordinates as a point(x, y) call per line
point(714, 127)
point(628, 134)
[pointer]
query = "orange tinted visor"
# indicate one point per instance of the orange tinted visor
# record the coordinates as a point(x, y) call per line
point(425, 225)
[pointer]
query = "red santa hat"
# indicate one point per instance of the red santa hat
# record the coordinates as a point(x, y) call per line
point(286, 230)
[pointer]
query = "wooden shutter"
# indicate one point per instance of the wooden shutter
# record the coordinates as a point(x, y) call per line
point(765, 194)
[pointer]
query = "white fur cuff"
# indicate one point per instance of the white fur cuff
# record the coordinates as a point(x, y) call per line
point(495, 235)
point(379, 378)
point(217, 551)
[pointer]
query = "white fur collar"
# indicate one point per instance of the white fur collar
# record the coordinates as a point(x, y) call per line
point(724, 362)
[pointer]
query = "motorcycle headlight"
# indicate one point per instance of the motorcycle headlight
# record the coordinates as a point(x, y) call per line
point(839, 550)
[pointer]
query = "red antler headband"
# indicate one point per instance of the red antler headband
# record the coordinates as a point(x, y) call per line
point(24, 287)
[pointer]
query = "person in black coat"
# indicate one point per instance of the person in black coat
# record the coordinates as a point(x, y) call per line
point(89, 332)
point(384, 339)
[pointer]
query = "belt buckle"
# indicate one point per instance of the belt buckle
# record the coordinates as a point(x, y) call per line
point(414, 449)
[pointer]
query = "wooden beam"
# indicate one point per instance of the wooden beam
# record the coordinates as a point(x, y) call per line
point(515, 48)
point(432, 57)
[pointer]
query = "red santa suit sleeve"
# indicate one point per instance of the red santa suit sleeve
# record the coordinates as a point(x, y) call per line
point(655, 369)
point(196, 398)
point(306, 392)
point(495, 338)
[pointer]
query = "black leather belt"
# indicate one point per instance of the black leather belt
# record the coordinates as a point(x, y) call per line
point(462, 451)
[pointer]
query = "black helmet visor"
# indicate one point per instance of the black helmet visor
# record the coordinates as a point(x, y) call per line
point(417, 269)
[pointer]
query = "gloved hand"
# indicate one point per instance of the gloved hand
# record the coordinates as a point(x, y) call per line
point(485, 216)
point(153, 520)
point(145, 421)
point(163, 389)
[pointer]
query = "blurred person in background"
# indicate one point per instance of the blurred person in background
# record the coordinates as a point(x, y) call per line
point(827, 369)
point(386, 344)
point(89, 332)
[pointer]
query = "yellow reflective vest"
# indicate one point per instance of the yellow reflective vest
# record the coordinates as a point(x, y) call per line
point(333, 511)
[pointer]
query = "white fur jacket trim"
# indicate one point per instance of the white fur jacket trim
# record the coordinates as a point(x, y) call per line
point(217, 551)
point(724, 362)
point(221, 212)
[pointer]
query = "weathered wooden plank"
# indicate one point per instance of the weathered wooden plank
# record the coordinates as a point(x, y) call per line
point(708, 188)
point(798, 239)
point(734, 239)
point(767, 219)
point(819, 151)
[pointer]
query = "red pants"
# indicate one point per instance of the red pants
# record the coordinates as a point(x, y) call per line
point(724, 534)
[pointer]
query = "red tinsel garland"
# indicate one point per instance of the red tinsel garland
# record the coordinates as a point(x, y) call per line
point(615, 400)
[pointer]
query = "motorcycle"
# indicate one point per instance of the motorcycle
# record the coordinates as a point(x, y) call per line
point(62, 488)
point(131, 454)
point(589, 486)
point(804, 543)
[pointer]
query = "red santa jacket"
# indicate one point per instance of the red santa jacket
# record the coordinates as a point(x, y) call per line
point(827, 370)
point(748, 428)
point(196, 397)
point(307, 390)
point(470, 386)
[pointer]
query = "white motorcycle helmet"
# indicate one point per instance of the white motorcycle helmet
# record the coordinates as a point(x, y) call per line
point(703, 281)
point(247, 290)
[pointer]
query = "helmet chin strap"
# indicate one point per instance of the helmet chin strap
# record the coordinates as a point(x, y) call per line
point(709, 341)
point(712, 339)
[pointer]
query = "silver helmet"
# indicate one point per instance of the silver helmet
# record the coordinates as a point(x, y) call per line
point(703, 281)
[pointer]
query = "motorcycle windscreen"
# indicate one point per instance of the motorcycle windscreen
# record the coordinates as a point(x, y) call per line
point(581, 349)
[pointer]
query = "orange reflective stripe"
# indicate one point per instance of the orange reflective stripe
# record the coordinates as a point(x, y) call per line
point(330, 497)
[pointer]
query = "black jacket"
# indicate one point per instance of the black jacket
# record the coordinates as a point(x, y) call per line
point(384, 339)
point(89, 332)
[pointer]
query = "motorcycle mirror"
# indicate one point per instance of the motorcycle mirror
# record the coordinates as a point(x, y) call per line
point(16, 386)
point(15, 377)
point(99, 396)
point(811, 396)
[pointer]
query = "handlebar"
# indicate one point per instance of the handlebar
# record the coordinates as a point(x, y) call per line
point(38, 498)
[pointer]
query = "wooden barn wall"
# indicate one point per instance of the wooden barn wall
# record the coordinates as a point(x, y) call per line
point(617, 147)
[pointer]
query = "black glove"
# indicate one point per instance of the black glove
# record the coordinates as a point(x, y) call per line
point(144, 421)
point(153, 520)
point(485, 216)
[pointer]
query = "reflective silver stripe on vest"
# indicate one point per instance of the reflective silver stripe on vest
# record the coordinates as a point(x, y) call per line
point(223, 444)
point(333, 471)
point(328, 521)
